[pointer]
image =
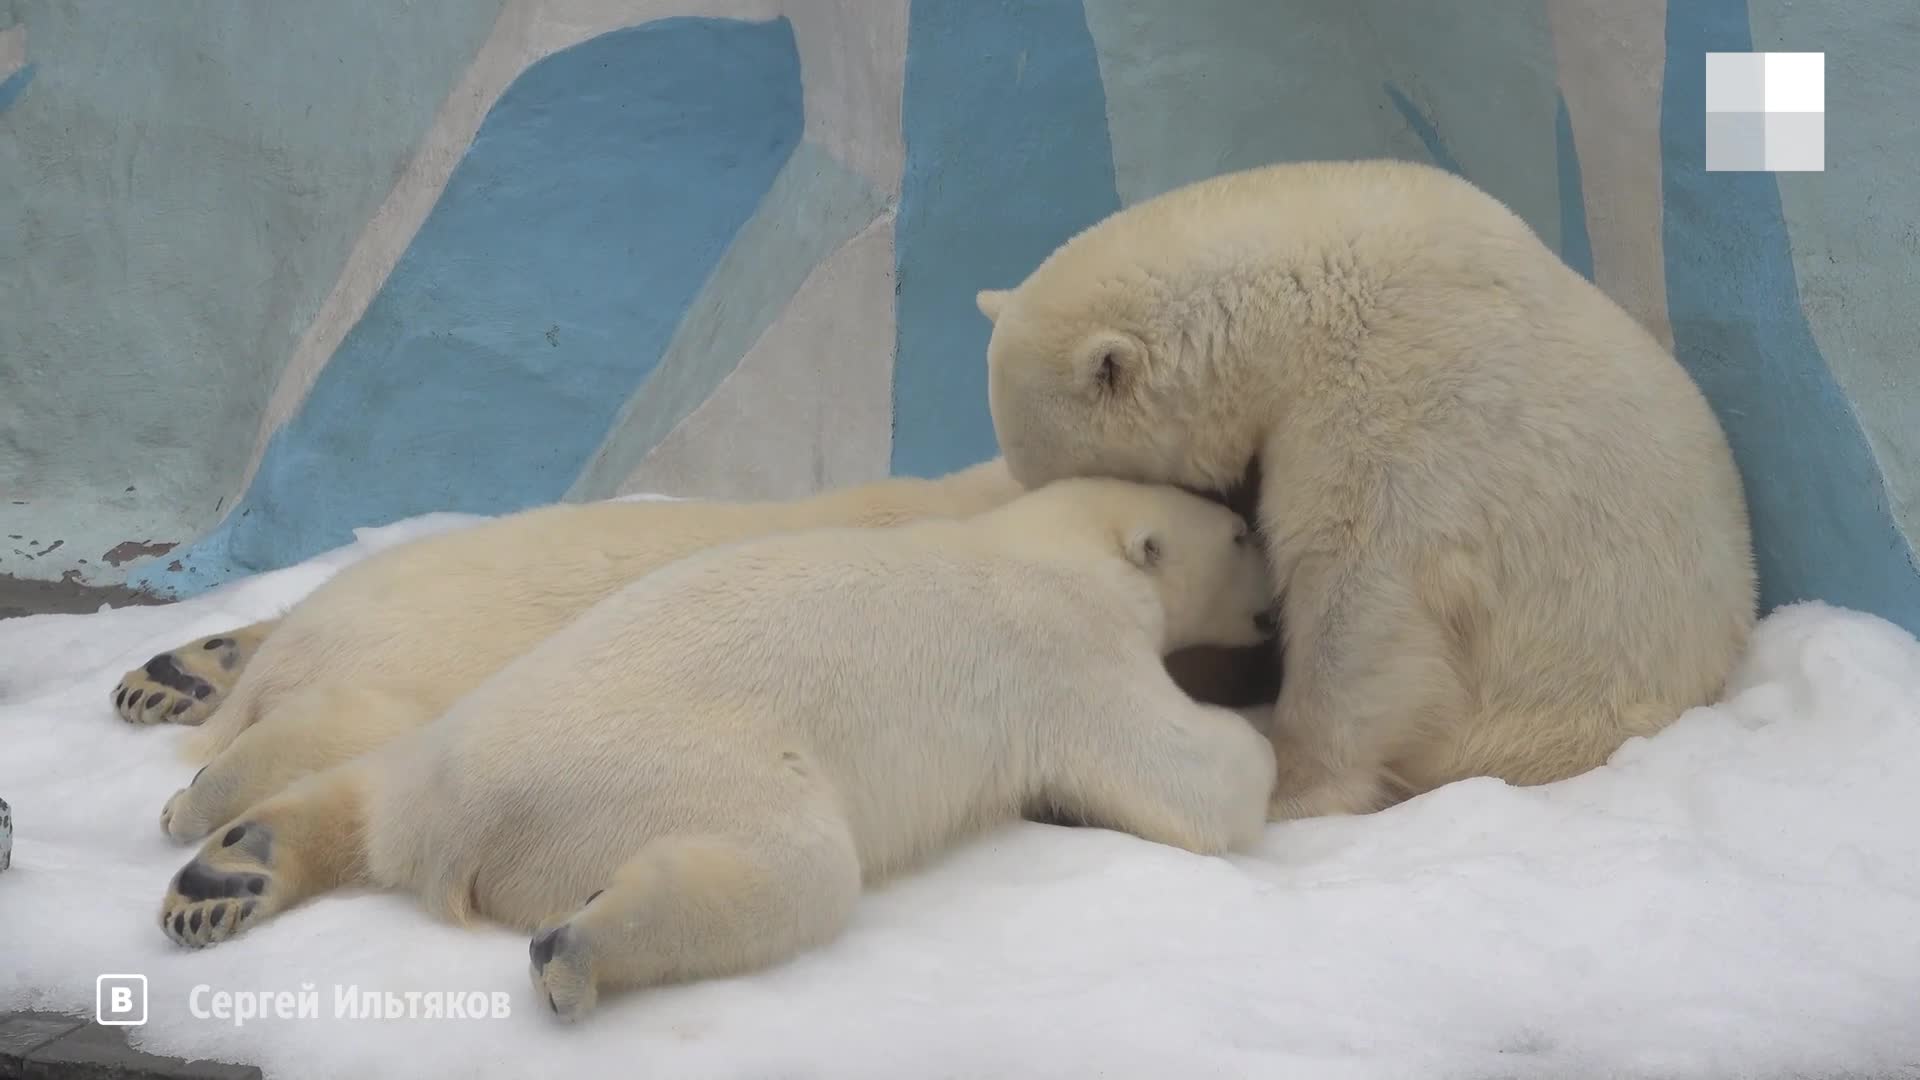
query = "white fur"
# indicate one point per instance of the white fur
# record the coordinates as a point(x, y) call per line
point(390, 642)
point(1507, 526)
point(732, 745)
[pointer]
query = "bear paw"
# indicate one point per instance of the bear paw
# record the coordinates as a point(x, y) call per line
point(179, 819)
point(225, 889)
point(561, 963)
point(183, 685)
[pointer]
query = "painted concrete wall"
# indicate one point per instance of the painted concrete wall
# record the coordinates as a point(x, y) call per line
point(279, 270)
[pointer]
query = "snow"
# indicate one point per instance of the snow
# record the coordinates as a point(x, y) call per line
point(1737, 896)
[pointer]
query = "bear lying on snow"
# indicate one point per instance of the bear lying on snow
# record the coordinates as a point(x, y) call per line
point(696, 776)
point(1507, 527)
point(388, 643)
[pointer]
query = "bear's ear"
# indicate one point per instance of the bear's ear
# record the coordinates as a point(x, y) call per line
point(1110, 361)
point(1143, 547)
point(992, 302)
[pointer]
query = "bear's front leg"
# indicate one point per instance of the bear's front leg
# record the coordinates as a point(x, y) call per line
point(1368, 677)
point(1149, 761)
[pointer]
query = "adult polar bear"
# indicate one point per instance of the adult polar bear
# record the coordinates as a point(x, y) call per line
point(388, 643)
point(696, 776)
point(1507, 527)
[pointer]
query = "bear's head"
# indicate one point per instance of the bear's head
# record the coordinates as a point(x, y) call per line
point(1092, 372)
point(1208, 569)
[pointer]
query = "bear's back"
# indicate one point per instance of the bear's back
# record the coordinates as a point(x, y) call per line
point(908, 670)
point(814, 628)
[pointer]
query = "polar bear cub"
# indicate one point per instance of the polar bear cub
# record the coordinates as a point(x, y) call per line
point(1507, 525)
point(384, 646)
point(696, 777)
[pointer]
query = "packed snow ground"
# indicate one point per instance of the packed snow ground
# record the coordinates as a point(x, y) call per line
point(1739, 896)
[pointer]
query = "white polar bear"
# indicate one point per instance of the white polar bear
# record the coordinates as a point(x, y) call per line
point(389, 642)
point(696, 777)
point(1507, 526)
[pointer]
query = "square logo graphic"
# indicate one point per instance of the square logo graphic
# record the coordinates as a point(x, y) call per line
point(120, 1000)
point(1766, 112)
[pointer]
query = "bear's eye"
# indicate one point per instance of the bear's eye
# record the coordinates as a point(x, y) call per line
point(1108, 373)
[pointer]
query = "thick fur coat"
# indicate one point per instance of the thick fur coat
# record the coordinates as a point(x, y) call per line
point(1507, 527)
point(697, 776)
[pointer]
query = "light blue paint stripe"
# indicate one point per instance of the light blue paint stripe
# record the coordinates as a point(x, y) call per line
point(1576, 247)
point(598, 194)
point(1195, 90)
point(1821, 521)
point(14, 85)
point(815, 206)
point(1007, 156)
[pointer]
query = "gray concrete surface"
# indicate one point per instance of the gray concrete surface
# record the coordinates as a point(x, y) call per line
point(22, 597)
point(52, 1046)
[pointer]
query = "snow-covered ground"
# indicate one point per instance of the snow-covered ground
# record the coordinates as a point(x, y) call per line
point(1737, 897)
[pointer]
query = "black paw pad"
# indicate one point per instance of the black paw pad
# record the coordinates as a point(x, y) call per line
point(164, 670)
point(198, 881)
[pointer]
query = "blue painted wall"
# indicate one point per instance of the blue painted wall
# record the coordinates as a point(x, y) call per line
point(616, 265)
point(814, 206)
point(596, 198)
point(1823, 528)
point(1576, 247)
point(14, 85)
point(1007, 157)
point(180, 184)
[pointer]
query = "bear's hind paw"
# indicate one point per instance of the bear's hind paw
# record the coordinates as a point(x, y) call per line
point(225, 889)
point(183, 685)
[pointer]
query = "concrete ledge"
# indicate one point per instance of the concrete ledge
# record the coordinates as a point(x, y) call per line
point(22, 596)
point(52, 1046)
